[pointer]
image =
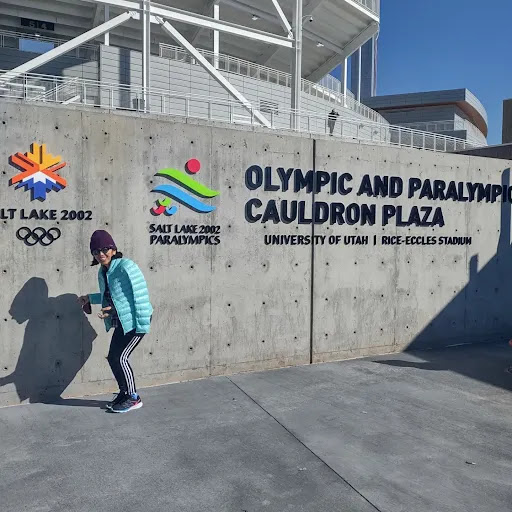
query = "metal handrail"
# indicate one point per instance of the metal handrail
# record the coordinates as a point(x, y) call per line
point(446, 125)
point(435, 126)
point(249, 69)
point(332, 83)
point(93, 49)
point(371, 5)
point(330, 89)
point(164, 102)
point(72, 81)
point(55, 40)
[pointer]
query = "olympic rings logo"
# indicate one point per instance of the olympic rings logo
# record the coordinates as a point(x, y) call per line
point(38, 235)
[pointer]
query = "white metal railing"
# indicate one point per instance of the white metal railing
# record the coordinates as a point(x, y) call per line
point(329, 89)
point(371, 5)
point(332, 83)
point(250, 69)
point(435, 126)
point(449, 125)
point(32, 87)
point(63, 92)
point(9, 39)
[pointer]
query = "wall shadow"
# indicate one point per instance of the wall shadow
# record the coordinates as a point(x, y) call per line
point(57, 343)
point(479, 313)
point(484, 362)
point(15, 57)
point(125, 97)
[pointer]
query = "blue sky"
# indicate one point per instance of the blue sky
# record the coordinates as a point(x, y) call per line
point(448, 44)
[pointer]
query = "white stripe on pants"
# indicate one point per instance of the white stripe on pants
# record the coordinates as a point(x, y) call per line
point(128, 372)
point(121, 347)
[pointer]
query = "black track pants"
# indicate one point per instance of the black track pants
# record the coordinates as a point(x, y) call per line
point(121, 346)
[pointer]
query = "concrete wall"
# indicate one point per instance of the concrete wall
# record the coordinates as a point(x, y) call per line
point(239, 305)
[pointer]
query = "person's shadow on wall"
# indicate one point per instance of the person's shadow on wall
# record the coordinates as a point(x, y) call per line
point(56, 345)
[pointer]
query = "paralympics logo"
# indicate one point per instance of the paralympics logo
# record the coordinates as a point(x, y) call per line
point(165, 205)
point(38, 235)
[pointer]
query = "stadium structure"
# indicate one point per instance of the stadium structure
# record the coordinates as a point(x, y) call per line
point(456, 112)
point(264, 63)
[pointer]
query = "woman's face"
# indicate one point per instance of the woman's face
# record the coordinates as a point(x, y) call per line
point(104, 256)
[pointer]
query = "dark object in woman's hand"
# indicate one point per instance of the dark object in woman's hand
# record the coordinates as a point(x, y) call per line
point(85, 304)
point(104, 313)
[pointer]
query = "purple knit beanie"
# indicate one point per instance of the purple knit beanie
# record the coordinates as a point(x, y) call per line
point(101, 239)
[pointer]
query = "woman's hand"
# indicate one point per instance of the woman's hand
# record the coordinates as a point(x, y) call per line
point(104, 313)
point(83, 300)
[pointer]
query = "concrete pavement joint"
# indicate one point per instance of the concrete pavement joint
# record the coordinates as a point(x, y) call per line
point(305, 446)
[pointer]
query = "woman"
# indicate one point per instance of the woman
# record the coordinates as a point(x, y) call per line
point(125, 308)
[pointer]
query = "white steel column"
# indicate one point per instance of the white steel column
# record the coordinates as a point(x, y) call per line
point(345, 79)
point(67, 46)
point(282, 18)
point(296, 65)
point(374, 68)
point(198, 20)
point(216, 43)
point(178, 37)
point(107, 17)
point(343, 52)
point(146, 52)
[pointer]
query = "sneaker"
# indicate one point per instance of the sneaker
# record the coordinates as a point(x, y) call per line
point(129, 403)
point(117, 400)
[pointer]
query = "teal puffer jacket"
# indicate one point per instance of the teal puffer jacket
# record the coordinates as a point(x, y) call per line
point(129, 293)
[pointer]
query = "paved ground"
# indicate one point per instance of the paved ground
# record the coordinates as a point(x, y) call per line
point(423, 433)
